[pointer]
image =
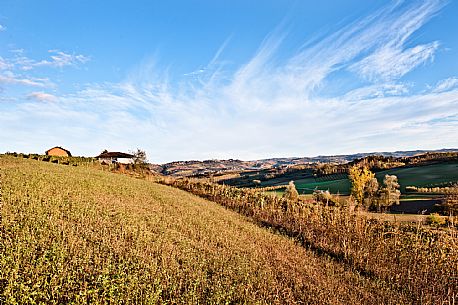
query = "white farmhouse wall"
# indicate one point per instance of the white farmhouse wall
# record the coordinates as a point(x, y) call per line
point(125, 160)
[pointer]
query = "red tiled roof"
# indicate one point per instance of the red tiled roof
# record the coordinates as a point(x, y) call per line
point(67, 151)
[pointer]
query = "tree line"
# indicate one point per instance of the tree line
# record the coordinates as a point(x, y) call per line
point(367, 192)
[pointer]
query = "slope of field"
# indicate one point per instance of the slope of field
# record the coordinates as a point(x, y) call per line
point(77, 235)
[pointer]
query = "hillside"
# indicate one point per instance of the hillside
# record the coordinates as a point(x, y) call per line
point(220, 167)
point(78, 235)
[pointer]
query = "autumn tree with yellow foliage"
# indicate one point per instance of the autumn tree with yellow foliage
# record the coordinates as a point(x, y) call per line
point(363, 185)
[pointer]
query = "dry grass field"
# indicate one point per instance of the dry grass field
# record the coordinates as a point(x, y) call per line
point(74, 235)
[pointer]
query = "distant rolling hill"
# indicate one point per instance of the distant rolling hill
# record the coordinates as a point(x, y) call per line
point(211, 167)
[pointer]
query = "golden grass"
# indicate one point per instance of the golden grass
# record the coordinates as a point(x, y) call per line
point(74, 235)
point(397, 218)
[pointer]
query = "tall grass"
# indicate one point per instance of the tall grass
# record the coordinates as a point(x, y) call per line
point(418, 261)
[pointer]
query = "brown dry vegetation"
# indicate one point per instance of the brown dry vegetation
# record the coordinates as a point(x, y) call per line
point(418, 261)
point(78, 235)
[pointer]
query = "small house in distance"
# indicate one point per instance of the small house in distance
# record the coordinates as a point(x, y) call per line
point(109, 157)
point(58, 151)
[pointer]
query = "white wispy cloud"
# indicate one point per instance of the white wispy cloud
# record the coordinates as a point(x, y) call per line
point(446, 84)
point(267, 107)
point(392, 59)
point(376, 91)
point(4, 65)
point(9, 77)
point(42, 96)
point(16, 70)
point(57, 59)
point(2, 28)
point(392, 62)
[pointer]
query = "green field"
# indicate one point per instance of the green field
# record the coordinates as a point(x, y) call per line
point(428, 175)
point(421, 176)
point(307, 186)
point(75, 235)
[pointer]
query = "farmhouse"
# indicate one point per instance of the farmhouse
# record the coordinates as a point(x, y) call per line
point(58, 152)
point(115, 157)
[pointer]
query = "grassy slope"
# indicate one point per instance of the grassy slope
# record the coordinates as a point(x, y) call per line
point(77, 235)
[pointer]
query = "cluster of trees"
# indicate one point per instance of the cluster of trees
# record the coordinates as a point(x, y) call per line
point(329, 169)
point(431, 156)
point(371, 162)
point(367, 192)
point(440, 190)
point(377, 162)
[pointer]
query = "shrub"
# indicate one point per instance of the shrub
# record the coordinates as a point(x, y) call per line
point(435, 220)
point(291, 192)
point(326, 198)
point(257, 182)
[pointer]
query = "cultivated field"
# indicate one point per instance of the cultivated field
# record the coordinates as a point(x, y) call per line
point(420, 176)
point(79, 235)
point(427, 175)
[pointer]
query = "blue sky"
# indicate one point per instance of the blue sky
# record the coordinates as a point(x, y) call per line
point(234, 79)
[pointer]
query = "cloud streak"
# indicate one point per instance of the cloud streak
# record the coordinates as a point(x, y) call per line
point(42, 96)
point(446, 84)
point(10, 78)
point(58, 59)
point(16, 70)
point(391, 59)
